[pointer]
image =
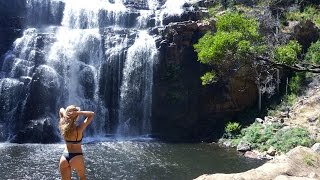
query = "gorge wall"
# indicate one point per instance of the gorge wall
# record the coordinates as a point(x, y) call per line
point(183, 109)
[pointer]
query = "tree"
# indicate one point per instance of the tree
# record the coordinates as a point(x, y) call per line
point(232, 47)
point(237, 49)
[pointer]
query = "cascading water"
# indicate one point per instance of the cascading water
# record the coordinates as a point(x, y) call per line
point(96, 54)
point(136, 88)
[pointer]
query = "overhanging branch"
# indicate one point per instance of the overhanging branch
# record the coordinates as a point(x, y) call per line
point(296, 67)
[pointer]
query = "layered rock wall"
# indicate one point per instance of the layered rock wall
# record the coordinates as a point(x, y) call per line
point(183, 109)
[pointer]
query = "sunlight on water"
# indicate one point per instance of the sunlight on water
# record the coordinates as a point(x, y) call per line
point(174, 7)
point(123, 160)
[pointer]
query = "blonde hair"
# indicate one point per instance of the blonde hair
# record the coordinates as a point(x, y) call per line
point(67, 124)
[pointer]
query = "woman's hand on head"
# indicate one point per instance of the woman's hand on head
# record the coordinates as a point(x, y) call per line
point(72, 114)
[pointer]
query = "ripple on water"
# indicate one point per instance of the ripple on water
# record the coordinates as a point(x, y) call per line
point(123, 160)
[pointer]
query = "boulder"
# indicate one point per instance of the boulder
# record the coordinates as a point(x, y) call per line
point(243, 146)
point(251, 154)
point(259, 120)
point(298, 163)
point(316, 147)
point(271, 151)
point(45, 87)
point(41, 130)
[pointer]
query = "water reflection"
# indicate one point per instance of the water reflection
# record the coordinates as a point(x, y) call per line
point(123, 160)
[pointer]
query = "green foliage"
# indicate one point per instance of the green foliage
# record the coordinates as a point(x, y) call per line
point(290, 99)
point(214, 10)
point(258, 135)
point(295, 83)
point(309, 13)
point(284, 140)
point(235, 22)
point(236, 40)
point(208, 78)
point(288, 54)
point(262, 137)
point(232, 129)
point(313, 54)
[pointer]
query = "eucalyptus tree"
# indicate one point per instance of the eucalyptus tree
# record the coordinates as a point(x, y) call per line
point(238, 50)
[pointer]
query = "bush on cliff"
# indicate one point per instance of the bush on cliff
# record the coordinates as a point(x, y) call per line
point(313, 54)
point(233, 45)
point(232, 129)
point(311, 13)
point(262, 137)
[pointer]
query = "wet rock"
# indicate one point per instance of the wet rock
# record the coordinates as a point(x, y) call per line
point(259, 120)
point(227, 143)
point(38, 131)
point(3, 132)
point(243, 146)
point(11, 91)
point(44, 88)
point(87, 81)
point(251, 154)
point(271, 151)
point(205, 3)
point(312, 119)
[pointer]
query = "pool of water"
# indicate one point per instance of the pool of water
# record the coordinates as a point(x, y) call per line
point(124, 160)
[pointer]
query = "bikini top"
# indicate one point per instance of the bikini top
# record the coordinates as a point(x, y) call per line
point(74, 142)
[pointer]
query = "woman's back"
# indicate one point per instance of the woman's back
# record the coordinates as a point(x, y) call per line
point(73, 142)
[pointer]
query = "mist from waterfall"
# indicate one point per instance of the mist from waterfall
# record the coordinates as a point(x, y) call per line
point(96, 54)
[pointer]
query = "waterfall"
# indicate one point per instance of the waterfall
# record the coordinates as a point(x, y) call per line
point(136, 88)
point(97, 54)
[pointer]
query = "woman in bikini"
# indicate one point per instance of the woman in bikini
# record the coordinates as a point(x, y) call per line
point(72, 157)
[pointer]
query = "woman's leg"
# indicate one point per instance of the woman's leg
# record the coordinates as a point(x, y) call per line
point(77, 163)
point(65, 169)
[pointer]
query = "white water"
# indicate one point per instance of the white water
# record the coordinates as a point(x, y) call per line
point(82, 41)
point(137, 90)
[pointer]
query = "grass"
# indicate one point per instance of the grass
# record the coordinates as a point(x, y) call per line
point(310, 160)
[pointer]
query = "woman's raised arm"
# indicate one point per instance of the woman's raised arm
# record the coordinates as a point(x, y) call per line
point(89, 115)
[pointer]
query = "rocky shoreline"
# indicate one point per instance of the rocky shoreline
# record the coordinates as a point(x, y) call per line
point(299, 163)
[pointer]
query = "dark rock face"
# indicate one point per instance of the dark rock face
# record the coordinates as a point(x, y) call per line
point(11, 23)
point(46, 84)
point(306, 33)
point(183, 109)
point(38, 131)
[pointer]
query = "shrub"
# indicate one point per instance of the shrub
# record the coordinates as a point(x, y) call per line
point(208, 78)
point(258, 135)
point(288, 53)
point(262, 137)
point(313, 54)
point(296, 82)
point(232, 129)
point(309, 13)
point(285, 140)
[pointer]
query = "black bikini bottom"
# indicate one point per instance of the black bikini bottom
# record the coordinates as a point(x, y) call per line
point(69, 156)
